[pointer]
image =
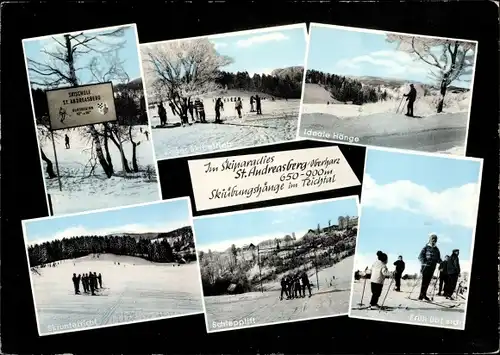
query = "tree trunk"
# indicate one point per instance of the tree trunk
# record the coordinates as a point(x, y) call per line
point(444, 87)
point(124, 159)
point(106, 149)
point(50, 166)
point(135, 166)
point(108, 170)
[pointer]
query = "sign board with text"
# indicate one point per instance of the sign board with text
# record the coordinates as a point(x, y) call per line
point(81, 105)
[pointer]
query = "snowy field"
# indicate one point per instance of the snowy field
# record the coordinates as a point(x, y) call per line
point(378, 123)
point(257, 308)
point(82, 193)
point(136, 290)
point(403, 310)
point(277, 123)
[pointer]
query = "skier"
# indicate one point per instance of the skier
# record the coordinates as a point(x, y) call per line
point(172, 107)
point(410, 97)
point(453, 269)
point(443, 275)
point(400, 267)
point(258, 105)
point(218, 107)
point(298, 289)
point(378, 273)
point(191, 109)
point(162, 113)
point(146, 133)
point(76, 284)
point(429, 257)
point(200, 109)
point(305, 283)
point(96, 286)
point(184, 111)
point(238, 106)
point(92, 283)
point(66, 141)
point(284, 286)
point(99, 277)
point(252, 99)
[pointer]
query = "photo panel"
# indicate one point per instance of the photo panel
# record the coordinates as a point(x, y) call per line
point(264, 176)
point(278, 264)
point(226, 91)
point(113, 267)
point(90, 113)
point(388, 89)
point(415, 245)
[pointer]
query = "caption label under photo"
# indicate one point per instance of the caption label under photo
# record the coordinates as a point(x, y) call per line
point(223, 182)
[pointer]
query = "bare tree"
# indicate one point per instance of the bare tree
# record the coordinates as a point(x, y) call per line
point(449, 59)
point(60, 69)
point(182, 69)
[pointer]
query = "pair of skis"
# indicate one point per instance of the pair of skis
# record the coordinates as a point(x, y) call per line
point(436, 303)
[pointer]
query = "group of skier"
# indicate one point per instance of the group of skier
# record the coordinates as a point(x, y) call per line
point(185, 107)
point(91, 282)
point(429, 257)
point(294, 286)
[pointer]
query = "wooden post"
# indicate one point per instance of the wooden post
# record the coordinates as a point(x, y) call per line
point(55, 159)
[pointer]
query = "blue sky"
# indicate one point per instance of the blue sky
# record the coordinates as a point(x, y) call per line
point(128, 54)
point(261, 52)
point(406, 197)
point(158, 217)
point(219, 232)
point(346, 52)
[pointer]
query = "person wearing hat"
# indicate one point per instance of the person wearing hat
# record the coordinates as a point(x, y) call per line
point(410, 97)
point(429, 257)
point(453, 269)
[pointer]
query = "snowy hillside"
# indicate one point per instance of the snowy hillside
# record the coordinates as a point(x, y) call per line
point(317, 94)
point(82, 191)
point(135, 290)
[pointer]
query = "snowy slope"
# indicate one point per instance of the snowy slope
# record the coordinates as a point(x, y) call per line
point(135, 290)
point(277, 123)
point(406, 310)
point(317, 94)
point(82, 193)
point(267, 308)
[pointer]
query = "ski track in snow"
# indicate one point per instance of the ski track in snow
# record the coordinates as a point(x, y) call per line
point(131, 293)
point(418, 313)
point(80, 193)
point(278, 123)
point(381, 126)
point(267, 308)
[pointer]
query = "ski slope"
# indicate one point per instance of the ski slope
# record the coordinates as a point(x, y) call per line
point(378, 124)
point(317, 94)
point(81, 192)
point(136, 290)
point(408, 311)
point(265, 308)
point(277, 123)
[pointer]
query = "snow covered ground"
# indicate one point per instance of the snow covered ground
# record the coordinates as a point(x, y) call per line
point(402, 309)
point(277, 123)
point(136, 290)
point(378, 124)
point(82, 193)
point(257, 308)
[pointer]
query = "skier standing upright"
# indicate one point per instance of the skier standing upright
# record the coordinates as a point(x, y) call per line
point(453, 269)
point(410, 97)
point(238, 105)
point(66, 141)
point(219, 106)
point(378, 273)
point(258, 105)
point(429, 257)
point(443, 275)
point(400, 267)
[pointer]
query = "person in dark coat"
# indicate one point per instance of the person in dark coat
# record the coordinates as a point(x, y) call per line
point(258, 105)
point(252, 100)
point(400, 267)
point(443, 274)
point(429, 257)
point(453, 269)
point(219, 106)
point(92, 283)
point(200, 109)
point(66, 141)
point(410, 97)
point(305, 283)
point(99, 277)
point(284, 287)
point(191, 109)
point(297, 287)
point(184, 111)
point(76, 284)
point(162, 113)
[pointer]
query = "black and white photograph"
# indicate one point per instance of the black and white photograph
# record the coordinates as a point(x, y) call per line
point(113, 267)
point(91, 119)
point(416, 238)
point(224, 91)
point(388, 89)
point(277, 264)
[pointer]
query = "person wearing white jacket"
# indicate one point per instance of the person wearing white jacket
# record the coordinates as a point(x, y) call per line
point(378, 273)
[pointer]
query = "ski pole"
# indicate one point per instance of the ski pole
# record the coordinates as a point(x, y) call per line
point(417, 280)
point(387, 292)
point(435, 284)
point(400, 102)
point(362, 294)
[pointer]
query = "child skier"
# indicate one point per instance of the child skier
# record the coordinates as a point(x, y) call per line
point(378, 274)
